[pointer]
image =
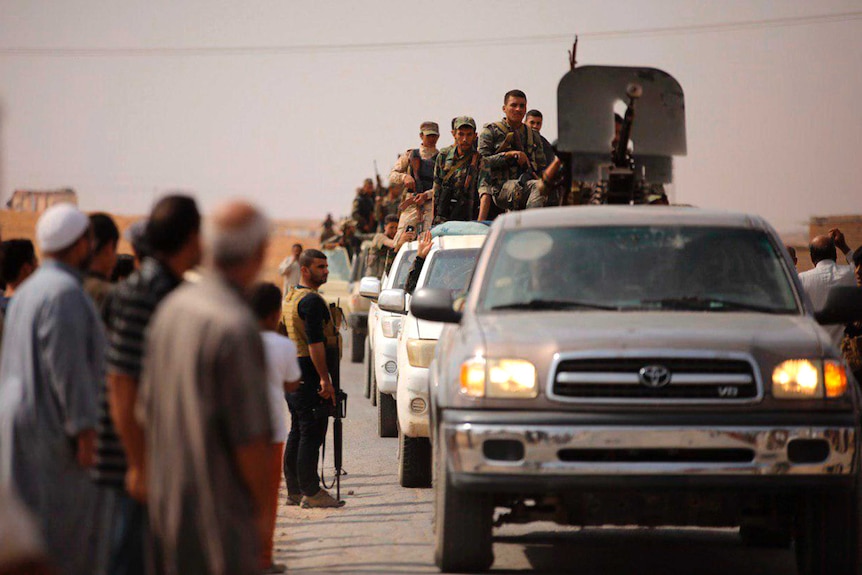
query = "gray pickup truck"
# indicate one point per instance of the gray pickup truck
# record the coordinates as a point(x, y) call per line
point(646, 366)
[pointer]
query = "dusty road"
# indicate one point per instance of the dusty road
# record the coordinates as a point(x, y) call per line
point(385, 528)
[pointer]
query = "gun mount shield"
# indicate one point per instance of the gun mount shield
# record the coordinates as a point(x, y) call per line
point(586, 100)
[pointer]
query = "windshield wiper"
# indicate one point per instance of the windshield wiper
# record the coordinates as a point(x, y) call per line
point(710, 304)
point(553, 304)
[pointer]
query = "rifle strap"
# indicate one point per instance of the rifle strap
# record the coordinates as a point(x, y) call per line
point(453, 168)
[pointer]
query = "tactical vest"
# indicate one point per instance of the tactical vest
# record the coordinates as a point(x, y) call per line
point(295, 326)
point(457, 195)
point(424, 169)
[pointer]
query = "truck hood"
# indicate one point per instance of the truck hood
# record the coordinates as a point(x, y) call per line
point(547, 333)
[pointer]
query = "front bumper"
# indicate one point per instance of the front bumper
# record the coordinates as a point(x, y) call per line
point(386, 363)
point(560, 455)
point(412, 400)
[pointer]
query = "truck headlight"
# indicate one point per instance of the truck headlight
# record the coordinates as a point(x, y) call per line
point(390, 326)
point(420, 352)
point(797, 379)
point(500, 378)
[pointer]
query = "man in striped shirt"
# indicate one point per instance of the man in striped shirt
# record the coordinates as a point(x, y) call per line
point(172, 237)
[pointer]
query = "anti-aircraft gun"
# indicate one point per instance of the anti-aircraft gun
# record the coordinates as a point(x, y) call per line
point(627, 161)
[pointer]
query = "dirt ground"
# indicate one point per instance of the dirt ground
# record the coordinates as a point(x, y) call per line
point(284, 235)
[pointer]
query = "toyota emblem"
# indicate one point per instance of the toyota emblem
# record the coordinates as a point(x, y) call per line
point(654, 376)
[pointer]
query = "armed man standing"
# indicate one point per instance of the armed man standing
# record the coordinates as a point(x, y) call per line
point(456, 175)
point(309, 323)
point(513, 161)
point(415, 170)
point(363, 212)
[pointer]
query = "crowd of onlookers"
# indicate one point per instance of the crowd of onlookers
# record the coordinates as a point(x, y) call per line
point(141, 414)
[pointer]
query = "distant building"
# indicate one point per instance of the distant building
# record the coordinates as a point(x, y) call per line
point(38, 201)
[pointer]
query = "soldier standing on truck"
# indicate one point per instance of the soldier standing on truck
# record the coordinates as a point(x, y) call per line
point(557, 189)
point(456, 175)
point(514, 161)
point(384, 247)
point(363, 208)
point(415, 170)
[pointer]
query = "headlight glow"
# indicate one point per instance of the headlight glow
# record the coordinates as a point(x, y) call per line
point(473, 377)
point(511, 378)
point(797, 379)
point(420, 352)
point(834, 378)
point(498, 378)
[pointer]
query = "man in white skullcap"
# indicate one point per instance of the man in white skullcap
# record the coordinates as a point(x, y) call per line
point(51, 368)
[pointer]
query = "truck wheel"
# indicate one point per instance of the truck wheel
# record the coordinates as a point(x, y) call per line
point(462, 525)
point(387, 415)
point(369, 367)
point(414, 461)
point(357, 347)
point(826, 533)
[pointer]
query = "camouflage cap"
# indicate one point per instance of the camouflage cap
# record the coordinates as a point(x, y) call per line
point(347, 223)
point(463, 121)
point(429, 128)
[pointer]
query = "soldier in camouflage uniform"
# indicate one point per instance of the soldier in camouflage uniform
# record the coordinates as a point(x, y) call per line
point(388, 204)
point(384, 247)
point(456, 175)
point(415, 170)
point(363, 208)
point(513, 161)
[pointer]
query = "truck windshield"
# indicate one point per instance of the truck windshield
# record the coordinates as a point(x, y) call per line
point(451, 269)
point(638, 268)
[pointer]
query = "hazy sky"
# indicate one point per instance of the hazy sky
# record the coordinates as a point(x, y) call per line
point(107, 98)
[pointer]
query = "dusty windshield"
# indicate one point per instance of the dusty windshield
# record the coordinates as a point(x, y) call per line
point(638, 268)
point(339, 266)
point(452, 269)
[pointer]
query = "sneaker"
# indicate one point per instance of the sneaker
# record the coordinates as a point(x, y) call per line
point(293, 499)
point(320, 499)
point(275, 568)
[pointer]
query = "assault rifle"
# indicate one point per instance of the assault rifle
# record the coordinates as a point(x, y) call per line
point(337, 411)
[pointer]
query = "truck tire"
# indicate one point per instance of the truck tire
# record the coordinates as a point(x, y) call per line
point(414, 461)
point(369, 367)
point(387, 415)
point(826, 539)
point(463, 525)
point(357, 346)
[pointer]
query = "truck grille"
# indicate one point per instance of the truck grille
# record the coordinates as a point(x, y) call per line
point(655, 379)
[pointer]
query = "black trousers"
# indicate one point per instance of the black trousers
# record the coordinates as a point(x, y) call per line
point(302, 452)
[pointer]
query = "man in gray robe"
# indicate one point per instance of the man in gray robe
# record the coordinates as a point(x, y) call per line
point(52, 365)
point(204, 409)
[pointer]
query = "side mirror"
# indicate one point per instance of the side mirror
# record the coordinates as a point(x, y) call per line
point(393, 300)
point(435, 304)
point(843, 305)
point(369, 287)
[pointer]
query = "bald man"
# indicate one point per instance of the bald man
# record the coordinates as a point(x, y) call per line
point(204, 407)
point(827, 274)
